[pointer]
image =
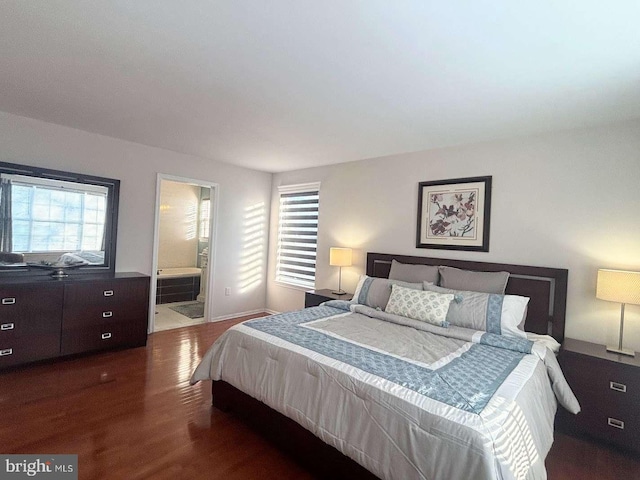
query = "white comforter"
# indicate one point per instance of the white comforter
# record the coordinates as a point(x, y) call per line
point(394, 431)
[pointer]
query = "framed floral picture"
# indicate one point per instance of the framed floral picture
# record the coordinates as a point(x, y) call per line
point(454, 214)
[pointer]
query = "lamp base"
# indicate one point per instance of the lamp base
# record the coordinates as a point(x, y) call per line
point(338, 292)
point(622, 351)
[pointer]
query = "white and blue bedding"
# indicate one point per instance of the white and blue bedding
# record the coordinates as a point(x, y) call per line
point(404, 398)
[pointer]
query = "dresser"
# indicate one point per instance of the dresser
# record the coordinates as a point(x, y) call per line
point(607, 386)
point(42, 318)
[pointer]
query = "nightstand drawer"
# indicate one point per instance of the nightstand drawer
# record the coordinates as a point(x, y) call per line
point(606, 383)
point(611, 425)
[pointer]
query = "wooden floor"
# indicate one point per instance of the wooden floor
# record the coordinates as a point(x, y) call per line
point(132, 414)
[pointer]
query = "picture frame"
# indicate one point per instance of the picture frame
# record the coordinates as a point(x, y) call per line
point(454, 214)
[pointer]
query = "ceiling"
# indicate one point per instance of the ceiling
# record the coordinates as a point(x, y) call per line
point(279, 85)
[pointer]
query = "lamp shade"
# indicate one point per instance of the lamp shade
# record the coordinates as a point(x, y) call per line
point(618, 286)
point(339, 257)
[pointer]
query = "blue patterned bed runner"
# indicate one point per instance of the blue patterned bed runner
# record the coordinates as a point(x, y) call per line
point(468, 382)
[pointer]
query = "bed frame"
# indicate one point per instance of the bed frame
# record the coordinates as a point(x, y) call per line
point(546, 288)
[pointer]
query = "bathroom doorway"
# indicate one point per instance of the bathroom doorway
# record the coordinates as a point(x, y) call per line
point(183, 252)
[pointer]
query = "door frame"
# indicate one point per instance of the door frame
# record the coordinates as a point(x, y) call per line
point(211, 262)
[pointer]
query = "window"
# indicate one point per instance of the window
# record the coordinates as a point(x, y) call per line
point(298, 234)
point(46, 219)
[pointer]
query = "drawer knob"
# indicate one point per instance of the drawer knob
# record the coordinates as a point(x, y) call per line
point(106, 336)
point(108, 293)
point(8, 301)
point(618, 387)
point(6, 351)
point(614, 422)
point(107, 314)
point(7, 326)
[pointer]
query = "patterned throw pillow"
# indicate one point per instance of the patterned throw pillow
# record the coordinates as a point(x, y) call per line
point(430, 307)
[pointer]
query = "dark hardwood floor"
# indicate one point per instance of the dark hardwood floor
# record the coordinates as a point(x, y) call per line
point(132, 414)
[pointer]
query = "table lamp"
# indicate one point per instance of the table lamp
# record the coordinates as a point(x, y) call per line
point(622, 287)
point(339, 257)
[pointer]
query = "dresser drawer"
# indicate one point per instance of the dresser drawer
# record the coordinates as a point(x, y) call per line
point(22, 350)
point(76, 316)
point(107, 293)
point(98, 337)
point(30, 310)
point(101, 303)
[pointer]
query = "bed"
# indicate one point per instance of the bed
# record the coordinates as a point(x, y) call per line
point(401, 397)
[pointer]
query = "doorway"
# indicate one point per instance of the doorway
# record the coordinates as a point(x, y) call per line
point(183, 252)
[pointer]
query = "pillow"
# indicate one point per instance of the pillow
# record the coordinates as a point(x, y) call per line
point(486, 282)
point(490, 312)
point(413, 273)
point(430, 307)
point(374, 292)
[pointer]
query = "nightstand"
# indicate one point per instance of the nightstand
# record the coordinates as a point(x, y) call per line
point(313, 298)
point(607, 386)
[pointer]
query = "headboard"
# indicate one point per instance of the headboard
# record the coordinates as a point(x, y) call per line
point(546, 287)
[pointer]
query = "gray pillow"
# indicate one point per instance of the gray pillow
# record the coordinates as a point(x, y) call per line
point(413, 273)
point(490, 312)
point(375, 292)
point(487, 282)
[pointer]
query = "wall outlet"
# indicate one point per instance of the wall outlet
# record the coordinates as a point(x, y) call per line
point(227, 291)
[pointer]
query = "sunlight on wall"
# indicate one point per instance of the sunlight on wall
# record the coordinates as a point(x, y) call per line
point(612, 252)
point(191, 221)
point(253, 247)
point(178, 224)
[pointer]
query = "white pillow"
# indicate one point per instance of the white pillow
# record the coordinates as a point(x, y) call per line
point(430, 307)
point(514, 310)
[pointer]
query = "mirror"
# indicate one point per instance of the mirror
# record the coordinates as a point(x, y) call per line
point(53, 221)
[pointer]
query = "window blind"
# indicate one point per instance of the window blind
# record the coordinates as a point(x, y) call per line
point(298, 235)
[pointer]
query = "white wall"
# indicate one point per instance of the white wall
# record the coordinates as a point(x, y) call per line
point(567, 200)
point(178, 225)
point(32, 142)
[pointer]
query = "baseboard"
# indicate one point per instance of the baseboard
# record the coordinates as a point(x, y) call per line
point(271, 312)
point(238, 314)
